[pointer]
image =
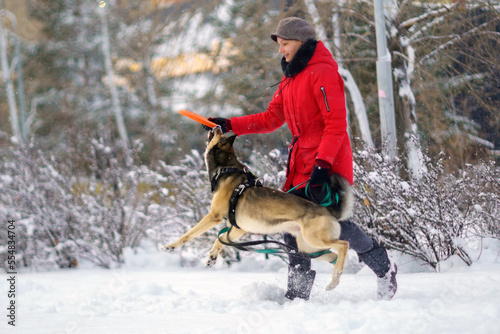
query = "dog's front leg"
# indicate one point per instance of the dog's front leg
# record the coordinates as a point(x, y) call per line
point(204, 225)
point(235, 234)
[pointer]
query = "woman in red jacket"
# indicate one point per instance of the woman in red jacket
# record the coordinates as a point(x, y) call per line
point(310, 99)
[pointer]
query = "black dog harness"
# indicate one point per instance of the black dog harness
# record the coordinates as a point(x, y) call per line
point(252, 181)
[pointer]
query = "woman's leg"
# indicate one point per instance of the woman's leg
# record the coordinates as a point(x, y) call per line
point(300, 275)
point(374, 256)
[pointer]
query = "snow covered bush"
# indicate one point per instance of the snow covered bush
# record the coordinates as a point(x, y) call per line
point(62, 217)
point(38, 197)
point(480, 198)
point(428, 217)
point(270, 168)
point(120, 205)
point(189, 202)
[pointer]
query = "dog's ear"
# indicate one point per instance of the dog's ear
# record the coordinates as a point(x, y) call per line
point(231, 140)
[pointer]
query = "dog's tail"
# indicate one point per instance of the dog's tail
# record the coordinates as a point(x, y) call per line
point(345, 199)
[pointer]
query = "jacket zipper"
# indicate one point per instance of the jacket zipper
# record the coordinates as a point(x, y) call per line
point(324, 95)
point(290, 149)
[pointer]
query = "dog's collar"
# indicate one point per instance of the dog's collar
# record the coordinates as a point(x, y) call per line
point(223, 172)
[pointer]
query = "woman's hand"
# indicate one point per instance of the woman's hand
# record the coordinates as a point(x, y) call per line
point(319, 189)
point(224, 123)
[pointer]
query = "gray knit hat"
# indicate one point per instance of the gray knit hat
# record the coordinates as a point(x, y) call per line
point(294, 28)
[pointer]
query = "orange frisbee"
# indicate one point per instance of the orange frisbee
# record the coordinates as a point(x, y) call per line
point(197, 118)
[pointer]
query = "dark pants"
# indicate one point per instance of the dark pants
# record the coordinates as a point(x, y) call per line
point(300, 275)
point(358, 240)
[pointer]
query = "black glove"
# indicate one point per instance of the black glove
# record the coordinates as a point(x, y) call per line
point(224, 123)
point(319, 189)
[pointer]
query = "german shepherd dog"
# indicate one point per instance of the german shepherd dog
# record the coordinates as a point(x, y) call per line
point(262, 210)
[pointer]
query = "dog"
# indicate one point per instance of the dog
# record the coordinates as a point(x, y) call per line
point(263, 210)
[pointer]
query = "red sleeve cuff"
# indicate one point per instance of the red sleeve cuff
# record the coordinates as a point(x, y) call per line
point(323, 164)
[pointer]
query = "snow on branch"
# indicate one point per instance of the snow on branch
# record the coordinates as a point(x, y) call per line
point(411, 22)
point(474, 31)
point(481, 141)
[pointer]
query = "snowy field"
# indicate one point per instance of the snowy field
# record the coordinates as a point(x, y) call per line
point(152, 293)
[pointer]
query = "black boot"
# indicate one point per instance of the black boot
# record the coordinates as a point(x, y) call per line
point(378, 261)
point(300, 283)
point(300, 275)
point(387, 285)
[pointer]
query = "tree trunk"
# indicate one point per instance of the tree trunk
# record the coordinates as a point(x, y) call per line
point(350, 83)
point(106, 49)
point(11, 99)
point(405, 109)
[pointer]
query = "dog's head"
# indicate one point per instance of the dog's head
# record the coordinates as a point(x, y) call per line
point(220, 151)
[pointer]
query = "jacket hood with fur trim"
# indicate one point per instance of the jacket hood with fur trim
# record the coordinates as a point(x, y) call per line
point(300, 60)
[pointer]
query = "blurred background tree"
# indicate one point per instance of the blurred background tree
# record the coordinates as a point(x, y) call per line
point(216, 57)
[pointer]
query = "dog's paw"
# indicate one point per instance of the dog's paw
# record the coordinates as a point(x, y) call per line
point(333, 284)
point(211, 261)
point(167, 248)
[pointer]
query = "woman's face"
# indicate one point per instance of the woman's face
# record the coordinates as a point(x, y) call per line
point(288, 48)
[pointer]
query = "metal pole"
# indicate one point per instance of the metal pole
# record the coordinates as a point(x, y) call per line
point(384, 81)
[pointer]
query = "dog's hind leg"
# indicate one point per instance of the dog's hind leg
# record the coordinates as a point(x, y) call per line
point(341, 247)
point(204, 225)
point(321, 235)
point(234, 234)
point(305, 248)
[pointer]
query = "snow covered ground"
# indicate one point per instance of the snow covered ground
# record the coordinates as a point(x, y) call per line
point(152, 293)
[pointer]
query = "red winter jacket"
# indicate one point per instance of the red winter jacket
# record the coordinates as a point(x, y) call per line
point(312, 103)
